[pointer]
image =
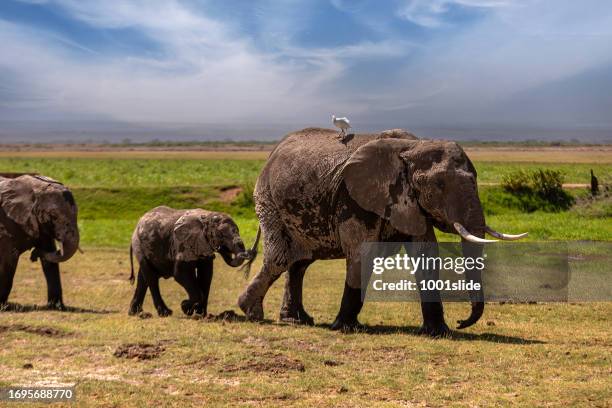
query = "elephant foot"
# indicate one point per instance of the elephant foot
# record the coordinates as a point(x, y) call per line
point(435, 330)
point(296, 316)
point(56, 305)
point(346, 326)
point(135, 310)
point(164, 311)
point(349, 310)
point(190, 307)
point(252, 309)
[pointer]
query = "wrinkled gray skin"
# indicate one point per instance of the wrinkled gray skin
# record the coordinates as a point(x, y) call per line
point(182, 243)
point(35, 211)
point(320, 198)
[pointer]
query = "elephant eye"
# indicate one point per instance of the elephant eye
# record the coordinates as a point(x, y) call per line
point(440, 184)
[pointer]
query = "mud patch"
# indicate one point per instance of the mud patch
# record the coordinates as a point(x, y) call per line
point(226, 316)
point(229, 193)
point(139, 351)
point(39, 330)
point(274, 363)
point(203, 362)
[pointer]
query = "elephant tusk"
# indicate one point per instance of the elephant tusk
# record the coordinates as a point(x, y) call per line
point(465, 234)
point(505, 237)
point(60, 247)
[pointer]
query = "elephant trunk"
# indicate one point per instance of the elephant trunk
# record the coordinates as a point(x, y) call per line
point(473, 250)
point(234, 255)
point(69, 244)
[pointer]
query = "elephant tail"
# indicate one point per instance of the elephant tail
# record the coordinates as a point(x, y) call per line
point(131, 266)
point(246, 268)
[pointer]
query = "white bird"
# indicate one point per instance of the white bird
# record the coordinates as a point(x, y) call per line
point(341, 123)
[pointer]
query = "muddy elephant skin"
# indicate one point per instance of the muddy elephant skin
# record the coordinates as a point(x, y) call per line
point(319, 197)
point(36, 212)
point(181, 244)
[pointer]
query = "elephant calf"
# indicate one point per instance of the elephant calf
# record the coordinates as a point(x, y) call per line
point(35, 212)
point(181, 243)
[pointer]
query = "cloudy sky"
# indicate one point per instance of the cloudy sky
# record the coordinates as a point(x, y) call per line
point(246, 69)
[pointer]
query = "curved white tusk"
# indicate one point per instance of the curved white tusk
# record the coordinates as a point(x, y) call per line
point(505, 237)
point(60, 247)
point(469, 237)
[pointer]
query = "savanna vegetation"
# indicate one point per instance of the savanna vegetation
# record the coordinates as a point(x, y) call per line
point(544, 354)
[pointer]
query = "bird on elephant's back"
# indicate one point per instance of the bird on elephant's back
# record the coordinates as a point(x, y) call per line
point(321, 198)
point(36, 212)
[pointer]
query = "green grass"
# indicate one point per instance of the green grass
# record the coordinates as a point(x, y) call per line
point(122, 173)
point(493, 172)
point(109, 173)
point(113, 194)
point(107, 216)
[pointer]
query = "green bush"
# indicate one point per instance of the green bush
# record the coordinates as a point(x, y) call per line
point(538, 190)
point(245, 198)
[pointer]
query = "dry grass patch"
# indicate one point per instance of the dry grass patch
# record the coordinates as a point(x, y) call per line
point(544, 354)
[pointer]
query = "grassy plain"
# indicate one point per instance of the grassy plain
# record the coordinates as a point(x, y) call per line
point(529, 355)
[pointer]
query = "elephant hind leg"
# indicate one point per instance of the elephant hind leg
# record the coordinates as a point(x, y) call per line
point(251, 300)
point(139, 295)
point(292, 309)
point(152, 278)
point(276, 250)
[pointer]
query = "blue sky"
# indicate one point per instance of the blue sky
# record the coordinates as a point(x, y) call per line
point(251, 68)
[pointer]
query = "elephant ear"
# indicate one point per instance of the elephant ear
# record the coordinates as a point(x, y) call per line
point(189, 238)
point(17, 199)
point(377, 178)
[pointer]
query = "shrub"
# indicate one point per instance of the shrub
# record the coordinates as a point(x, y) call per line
point(518, 182)
point(245, 198)
point(538, 190)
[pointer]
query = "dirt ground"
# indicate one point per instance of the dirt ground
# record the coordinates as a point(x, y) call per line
point(569, 154)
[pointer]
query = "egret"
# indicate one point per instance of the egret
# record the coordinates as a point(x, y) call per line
point(341, 123)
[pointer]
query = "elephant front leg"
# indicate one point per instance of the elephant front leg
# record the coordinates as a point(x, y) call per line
point(185, 275)
point(351, 298)
point(431, 302)
point(204, 279)
point(152, 279)
point(433, 313)
point(54, 283)
point(8, 266)
point(139, 295)
point(292, 309)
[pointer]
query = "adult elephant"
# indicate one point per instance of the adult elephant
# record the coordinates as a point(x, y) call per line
point(319, 197)
point(35, 212)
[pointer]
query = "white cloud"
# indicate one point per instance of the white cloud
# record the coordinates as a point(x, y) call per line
point(430, 13)
point(207, 74)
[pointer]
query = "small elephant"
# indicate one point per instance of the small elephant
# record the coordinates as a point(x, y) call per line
point(35, 212)
point(182, 243)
